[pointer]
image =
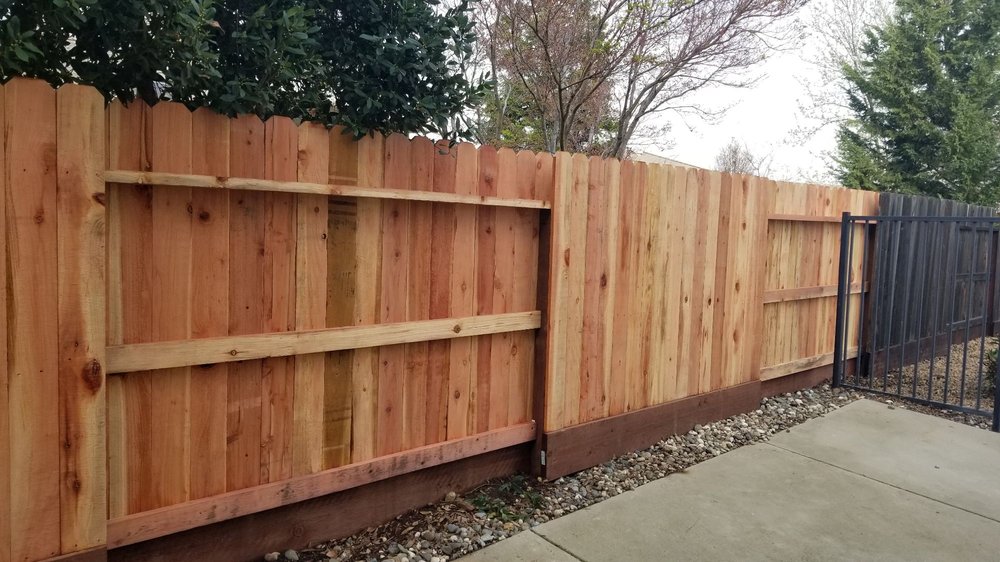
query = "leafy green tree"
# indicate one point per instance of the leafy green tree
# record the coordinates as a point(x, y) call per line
point(925, 99)
point(397, 65)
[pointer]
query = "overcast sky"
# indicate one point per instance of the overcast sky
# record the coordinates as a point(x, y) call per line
point(763, 117)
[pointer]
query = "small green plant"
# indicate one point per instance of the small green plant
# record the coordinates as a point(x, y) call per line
point(495, 508)
point(508, 500)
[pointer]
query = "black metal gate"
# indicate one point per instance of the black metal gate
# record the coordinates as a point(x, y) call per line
point(915, 310)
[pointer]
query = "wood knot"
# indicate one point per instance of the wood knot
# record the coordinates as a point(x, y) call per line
point(203, 216)
point(39, 216)
point(92, 375)
point(604, 280)
point(100, 198)
point(457, 328)
point(234, 352)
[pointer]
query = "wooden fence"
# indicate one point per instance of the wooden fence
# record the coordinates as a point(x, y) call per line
point(210, 317)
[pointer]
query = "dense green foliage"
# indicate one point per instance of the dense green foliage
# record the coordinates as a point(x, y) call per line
point(397, 65)
point(926, 103)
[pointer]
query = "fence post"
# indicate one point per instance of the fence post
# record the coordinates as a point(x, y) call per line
point(843, 293)
point(538, 395)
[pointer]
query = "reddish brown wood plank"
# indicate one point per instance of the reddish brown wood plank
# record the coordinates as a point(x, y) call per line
point(421, 244)
point(592, 398)
point(395, 269)
point(463, 356)
point(129, 276)
point(524, 292)
point(439, 353)
point(210, 307)
point(80, 156)
point(5, 461)
point(33, 351)
point(368, 255)
point(618, 389)
point(486, 256)
point(169, 150)
point(278, 374)
point(311, 270)
point(247, 215)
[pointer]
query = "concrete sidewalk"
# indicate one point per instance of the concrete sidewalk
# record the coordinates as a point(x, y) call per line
point(862, 483)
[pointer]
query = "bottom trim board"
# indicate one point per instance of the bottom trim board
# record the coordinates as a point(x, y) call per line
point(582, 446)
point(99, 554)
point(328, 517)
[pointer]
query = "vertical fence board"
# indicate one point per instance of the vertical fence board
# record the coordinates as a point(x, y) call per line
point(395, 267)
point(485, 274)
point(624, 281)
point(341, 301)
point(169, 150)
point(532, 169)
point(591, 373)
point(278, 373)
point(636, 335)
point(497, 173)
point(657, 245)
point(736, 305)
point(247, 213)
point(210, 309)
point(81, 139)
point(505, 390)
point(5, 460)
point(420, 240)
point(129, 274)
point(576, 266)
point(33, 343)
point(609, 280)
point(676, 209)
point(312, 216)
point(368, 255)
point(463, 357)
point(443, 218)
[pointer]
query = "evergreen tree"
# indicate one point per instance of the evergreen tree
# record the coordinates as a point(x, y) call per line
point(926, 103)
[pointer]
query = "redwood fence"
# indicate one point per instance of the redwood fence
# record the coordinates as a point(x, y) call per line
point(210, 318)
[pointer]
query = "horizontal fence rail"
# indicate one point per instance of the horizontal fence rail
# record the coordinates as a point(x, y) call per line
point(250, 184)
point(166, 355)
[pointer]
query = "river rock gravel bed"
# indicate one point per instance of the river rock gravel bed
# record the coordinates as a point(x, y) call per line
point(460, 524)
